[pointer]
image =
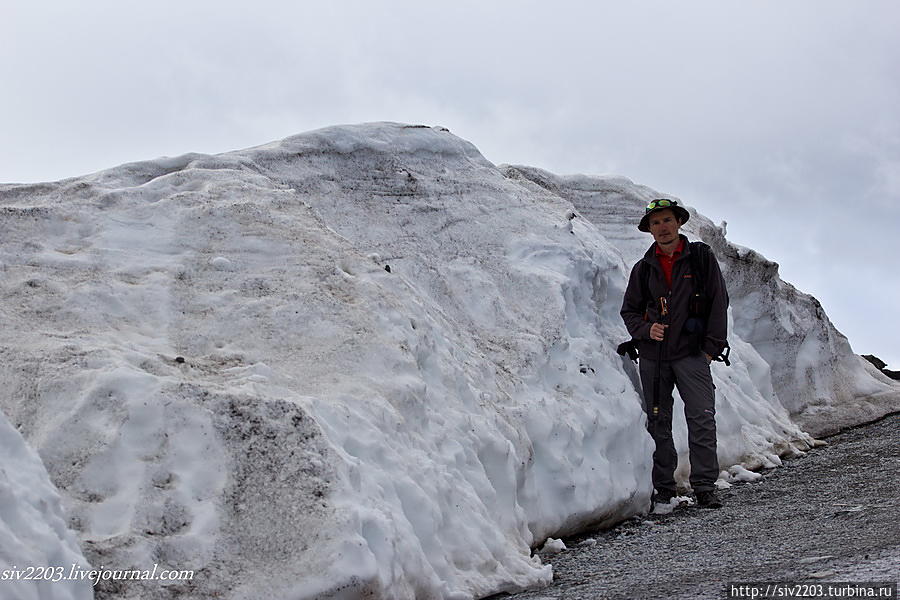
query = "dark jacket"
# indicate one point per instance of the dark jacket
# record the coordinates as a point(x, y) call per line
point(639, 316)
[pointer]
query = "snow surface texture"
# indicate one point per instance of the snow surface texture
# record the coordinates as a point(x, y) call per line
point(358, 362)
point(33, 530)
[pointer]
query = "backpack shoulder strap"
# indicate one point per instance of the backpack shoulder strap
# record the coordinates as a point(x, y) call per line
point(644, 274)
point(700, 253)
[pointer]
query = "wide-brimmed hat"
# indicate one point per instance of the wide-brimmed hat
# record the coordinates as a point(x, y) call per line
point(662, 204)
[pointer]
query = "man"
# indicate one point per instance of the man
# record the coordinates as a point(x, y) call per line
point(677, 318)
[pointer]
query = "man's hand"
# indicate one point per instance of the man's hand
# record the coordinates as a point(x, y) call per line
point(657, 331)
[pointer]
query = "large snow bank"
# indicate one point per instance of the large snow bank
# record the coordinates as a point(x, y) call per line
point(38, 554)
point(358, 362)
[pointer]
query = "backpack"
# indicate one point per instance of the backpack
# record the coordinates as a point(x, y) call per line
point(699, 307)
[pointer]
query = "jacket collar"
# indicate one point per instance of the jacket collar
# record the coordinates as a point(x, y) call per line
point(682, 244)
point(650, 255)
point(651, 251)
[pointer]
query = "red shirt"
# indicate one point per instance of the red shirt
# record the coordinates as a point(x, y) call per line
point(667, 262)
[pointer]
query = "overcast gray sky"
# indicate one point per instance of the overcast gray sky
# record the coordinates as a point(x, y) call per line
point(782, 118)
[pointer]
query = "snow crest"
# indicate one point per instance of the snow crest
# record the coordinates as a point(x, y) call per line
point(358, 362)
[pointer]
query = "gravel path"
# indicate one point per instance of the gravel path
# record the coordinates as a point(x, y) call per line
point(831, 515)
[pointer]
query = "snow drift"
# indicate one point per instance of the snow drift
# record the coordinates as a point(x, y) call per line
point(364, 362)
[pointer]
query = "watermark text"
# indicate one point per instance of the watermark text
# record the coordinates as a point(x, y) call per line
point(847, 589)
point(77, 572)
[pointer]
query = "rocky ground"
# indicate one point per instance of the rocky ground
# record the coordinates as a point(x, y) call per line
point(831, 515)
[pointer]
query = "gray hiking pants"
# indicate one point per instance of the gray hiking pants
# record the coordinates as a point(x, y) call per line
point(692, 376)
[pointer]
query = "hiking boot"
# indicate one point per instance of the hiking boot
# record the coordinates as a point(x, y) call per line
point(708, 499)
point(663, 496)
point(660, 501)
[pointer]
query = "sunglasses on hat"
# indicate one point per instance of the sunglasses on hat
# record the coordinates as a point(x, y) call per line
point(661, 203)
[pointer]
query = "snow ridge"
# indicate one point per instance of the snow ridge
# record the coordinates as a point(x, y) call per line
point(358, 362)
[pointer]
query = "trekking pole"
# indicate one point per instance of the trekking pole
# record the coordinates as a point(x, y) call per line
point(664, 313)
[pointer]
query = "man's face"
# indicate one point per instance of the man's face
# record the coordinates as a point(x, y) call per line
point(664, 226)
